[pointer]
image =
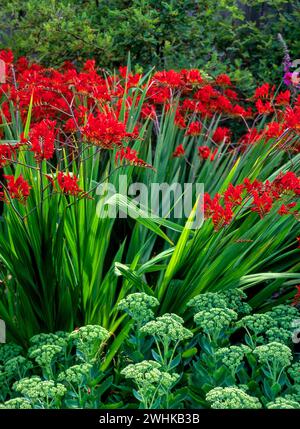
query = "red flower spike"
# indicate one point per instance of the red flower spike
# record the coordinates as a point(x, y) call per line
point(18, 189)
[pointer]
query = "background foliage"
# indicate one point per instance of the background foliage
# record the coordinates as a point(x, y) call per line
point(234, 36)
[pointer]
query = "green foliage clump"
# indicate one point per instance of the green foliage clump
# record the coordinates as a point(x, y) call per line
point(160, 364)
point(231, 398)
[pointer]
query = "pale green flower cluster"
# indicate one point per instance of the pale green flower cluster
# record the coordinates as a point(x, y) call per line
point(148, 374)
point(283, 403)
point(75, 374)
point(284, 315)
point(16, 403)
point(8, 351)
point(208, 300)
point(139, 306)
point(234, 298)
point(231, 299)
point(279, 335)
point(59, 339)
point(45, 354)
point(214, 320)
point(232, 356)
point(231, 398)
point(89, 339)
point(294, 372)
point(167, 328)
point(36, 389)
point(274, 353)
point(17, 366)
point(257, 323)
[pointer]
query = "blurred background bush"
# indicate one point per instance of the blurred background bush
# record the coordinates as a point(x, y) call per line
point(237, 37)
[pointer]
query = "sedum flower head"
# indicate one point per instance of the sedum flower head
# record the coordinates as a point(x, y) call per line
point(208, 300)
point(283, 403)
point(215, 319)
point(17, 365)
point(274, 353)
point(76, 374)
point(234, 298)
point(258, 323)
point(168, 327)
point(36, 389)
point(16, 403)
point(45, 354)
point(139, 306)
point(232, 356)
point(294, 372)
point(279, 335)
point(58, 339)
point(8, 351)
point(149, 372)
point(89, 339)
point(284, 315)
point(231, 398)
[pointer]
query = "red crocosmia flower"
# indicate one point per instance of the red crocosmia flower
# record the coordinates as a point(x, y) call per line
point(130, 155)
point(222, 216)
point(251, 137)
point(222, 134)
point(17, 188)
point(179, 151)
point(286, 209)
point(263, 107)
point(261, 204)
point(180, 120)
point(192, 76)
point(287, 182)
point(204, 152)
point(273, 130)
point(169, 78)
point(68, 183)
point(233, 195)
point(263, 91)
point(232, 95)
point(283, 98)
point(42, 137)
point(89, 66)
point(194, 129)
point(6, 153)
point(298, 241)
point(292, 118)
point(7, 56)
point(296, 300)
point(223, 80)
point(105, 131)
point(148, 111)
